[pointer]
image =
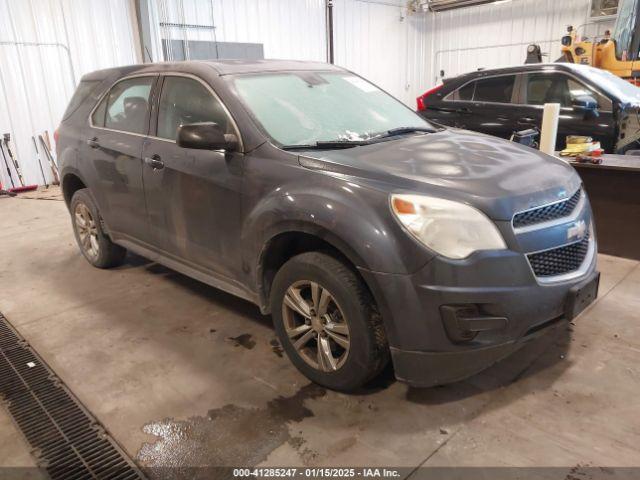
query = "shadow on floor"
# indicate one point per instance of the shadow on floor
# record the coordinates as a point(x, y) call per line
point(246, 435)
point(522, 364)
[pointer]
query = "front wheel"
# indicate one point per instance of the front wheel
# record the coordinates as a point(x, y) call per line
point(327, 322)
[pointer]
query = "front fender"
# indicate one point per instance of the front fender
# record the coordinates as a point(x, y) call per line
point(355, 219)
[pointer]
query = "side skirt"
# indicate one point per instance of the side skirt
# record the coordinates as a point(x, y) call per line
point(205, 276)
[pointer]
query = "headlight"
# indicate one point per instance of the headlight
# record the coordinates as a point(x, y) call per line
point(452, 229)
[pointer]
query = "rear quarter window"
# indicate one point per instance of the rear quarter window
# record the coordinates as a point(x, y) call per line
point(79, 96)
point(462, 94)
point(495, 90)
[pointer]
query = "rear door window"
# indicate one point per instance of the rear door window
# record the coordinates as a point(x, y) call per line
point(126, 106)
point(495, 89)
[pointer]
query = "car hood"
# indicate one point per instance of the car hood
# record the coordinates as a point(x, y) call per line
point(494, 175)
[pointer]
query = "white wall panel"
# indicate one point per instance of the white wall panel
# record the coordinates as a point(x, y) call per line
point(378, 39)
point(38, 80)
point(381, 42)
point(291, 29)
point(373, 38)
point(496, 35)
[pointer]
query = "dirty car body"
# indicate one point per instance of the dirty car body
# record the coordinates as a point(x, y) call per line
point(231, 217)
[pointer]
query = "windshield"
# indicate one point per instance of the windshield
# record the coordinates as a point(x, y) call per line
point(624, 90)
point(303, 108)
point(624, 29)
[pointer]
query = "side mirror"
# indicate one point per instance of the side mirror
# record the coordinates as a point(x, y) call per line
point(205, 136)
point(587, 105)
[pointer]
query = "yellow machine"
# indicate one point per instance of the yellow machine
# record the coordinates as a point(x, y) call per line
point(617, 52)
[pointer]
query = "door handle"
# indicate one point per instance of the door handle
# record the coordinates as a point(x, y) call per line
point(93, 142)
point(154, 161)
point(526, 120)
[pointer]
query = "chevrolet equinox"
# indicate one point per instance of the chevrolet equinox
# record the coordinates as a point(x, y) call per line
point(366, 232)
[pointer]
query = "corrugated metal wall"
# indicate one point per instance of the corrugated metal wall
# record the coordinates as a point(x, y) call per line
point(38, 80)
point(497, 34)
point(378, 39)
point(374, 39)
point(288, 29)
point(382, 42)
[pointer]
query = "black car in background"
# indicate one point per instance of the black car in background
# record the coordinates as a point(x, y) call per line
point(498, 102)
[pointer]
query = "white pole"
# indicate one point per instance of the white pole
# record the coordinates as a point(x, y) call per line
point(549, 132)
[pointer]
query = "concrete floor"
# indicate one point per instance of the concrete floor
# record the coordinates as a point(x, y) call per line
point(182, 374)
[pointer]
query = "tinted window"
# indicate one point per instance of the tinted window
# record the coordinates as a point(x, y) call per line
point(495, 90)
point(466, 92)
point(548, 88)
point(558, 88)
point(126, 105)
point(82, 92)
point(577, 89)
point(462, 94)
point(185, 101)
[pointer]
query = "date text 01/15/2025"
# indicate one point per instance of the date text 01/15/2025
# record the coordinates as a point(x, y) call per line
point(316, 472)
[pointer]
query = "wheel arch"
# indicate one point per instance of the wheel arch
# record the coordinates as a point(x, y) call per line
point(293, 240)
point(71, 183)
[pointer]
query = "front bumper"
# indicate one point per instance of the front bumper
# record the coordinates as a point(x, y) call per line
point(500, 283)
point(428, 369)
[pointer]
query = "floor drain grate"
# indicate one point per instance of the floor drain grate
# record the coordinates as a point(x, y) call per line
point(67, 440)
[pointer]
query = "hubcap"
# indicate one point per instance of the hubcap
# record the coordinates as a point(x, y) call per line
point(316, 325)
point(87, 230)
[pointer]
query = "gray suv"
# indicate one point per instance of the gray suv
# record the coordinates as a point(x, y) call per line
point(366, 232)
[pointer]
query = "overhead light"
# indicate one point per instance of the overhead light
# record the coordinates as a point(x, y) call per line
point(443, 5)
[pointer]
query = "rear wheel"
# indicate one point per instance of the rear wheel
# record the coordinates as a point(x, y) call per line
point(94, 244)
point(327, 322)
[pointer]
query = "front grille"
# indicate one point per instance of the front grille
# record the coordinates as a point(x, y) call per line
point(559, 261)
point(548, 212)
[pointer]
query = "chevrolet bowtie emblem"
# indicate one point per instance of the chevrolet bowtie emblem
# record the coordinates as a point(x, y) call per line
point(577, 230)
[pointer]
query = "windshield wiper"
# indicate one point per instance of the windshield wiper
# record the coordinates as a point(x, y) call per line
point(403, 130)
point(328, 144)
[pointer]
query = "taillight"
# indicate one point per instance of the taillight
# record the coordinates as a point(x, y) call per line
point(422, 99)
point(55, 136)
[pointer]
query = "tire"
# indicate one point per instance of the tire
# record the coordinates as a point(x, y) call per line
point(343, 321)
point(94, 244)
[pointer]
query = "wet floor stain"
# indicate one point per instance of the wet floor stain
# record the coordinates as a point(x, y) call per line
point(276, 347)
point(245, 340)
point(227, 436)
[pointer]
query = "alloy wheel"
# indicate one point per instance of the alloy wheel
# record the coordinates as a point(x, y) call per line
point(87, 230)
point(316, 325)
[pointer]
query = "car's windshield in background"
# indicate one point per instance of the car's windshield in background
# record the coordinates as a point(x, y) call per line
point(303, 108)
point(622, 89)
